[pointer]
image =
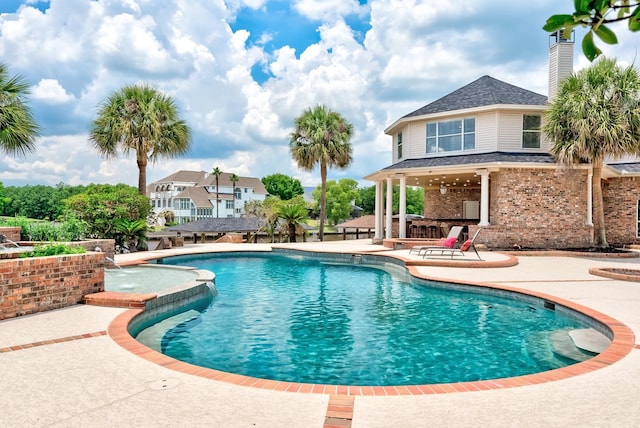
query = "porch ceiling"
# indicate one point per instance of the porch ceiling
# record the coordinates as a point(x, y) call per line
point(453, 180)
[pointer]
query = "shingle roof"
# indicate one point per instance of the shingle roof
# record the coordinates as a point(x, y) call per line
point(364, 222)
point(223, 180)
point(480, 158)
point(626, 168)
point(183, 177)
point(482, 92)
point(220, 225)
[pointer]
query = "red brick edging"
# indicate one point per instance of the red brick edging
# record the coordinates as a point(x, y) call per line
point(622, 344)
point(52, 341)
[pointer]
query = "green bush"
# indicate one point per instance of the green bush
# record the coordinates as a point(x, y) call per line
point(53, 250)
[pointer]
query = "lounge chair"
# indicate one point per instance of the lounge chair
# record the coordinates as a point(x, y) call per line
point(448, 242)
point(466, 245)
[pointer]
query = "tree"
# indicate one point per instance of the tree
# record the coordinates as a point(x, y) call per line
point(18, 128)
point(414, 202)
point(596, 115)
point(294, 213)
point(217, 171)
point(141, 119)
point(595, 14)
point(283, 186)
point(233, 178)
point(101, 206)
point(340, 198)
point(321, 137)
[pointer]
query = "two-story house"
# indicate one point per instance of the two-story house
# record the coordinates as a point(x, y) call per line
point(480, 156)
point(192, 195)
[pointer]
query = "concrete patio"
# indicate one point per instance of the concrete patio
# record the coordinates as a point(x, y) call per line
point(61, 368)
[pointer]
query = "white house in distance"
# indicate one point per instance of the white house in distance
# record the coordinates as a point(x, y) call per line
point(191, 195)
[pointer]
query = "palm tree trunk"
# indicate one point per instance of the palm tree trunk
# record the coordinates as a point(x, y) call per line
point(599, 233)
point(292, 232)
point(323, 199)
point(217, 199)
point(142, 175)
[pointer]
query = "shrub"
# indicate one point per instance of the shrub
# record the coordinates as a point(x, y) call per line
point(53, 250)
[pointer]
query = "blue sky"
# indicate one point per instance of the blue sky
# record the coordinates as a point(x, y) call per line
point(242, 70)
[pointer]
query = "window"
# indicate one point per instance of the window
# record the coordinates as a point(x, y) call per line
point(238, 193)
point(531, 131)
point(451, 135)
point(399, 142)
point(229, 205)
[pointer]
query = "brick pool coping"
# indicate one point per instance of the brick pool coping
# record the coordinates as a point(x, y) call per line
point(623, 342)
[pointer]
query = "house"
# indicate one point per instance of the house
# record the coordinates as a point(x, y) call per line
point(191, 195)
point(480, 156)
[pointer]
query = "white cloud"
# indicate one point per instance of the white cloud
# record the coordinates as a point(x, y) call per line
point(327, 10)
point(50, 90)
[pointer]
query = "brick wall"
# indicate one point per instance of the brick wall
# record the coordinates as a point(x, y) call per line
point(620, 198)
point(538, 208)
point(12, 233)
point(449, 205)
point(37, 284)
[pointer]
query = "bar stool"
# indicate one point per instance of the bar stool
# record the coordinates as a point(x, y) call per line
point(433, 230)
point(423, 230)
point(413, 231)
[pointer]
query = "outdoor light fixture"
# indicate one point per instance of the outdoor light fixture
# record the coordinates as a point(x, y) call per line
point(443, 189)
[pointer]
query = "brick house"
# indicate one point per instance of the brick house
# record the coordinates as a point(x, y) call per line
point(480, 156)
point(191, 195)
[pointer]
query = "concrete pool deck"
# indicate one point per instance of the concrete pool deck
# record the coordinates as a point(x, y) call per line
point(61, 369)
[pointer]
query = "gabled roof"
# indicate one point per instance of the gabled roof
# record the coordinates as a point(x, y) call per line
point(183, 177)
point(485, 91)
point(198, 195)
point(480, 158)
point(223, 180)
point(220, 225)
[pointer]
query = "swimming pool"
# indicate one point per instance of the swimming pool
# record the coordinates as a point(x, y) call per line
point(309, 321)
point(146, 278)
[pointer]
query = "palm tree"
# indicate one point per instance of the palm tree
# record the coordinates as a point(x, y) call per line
point(18, 128)
point(294, 213)
point(234, 179)
point(139, 118)
point(595, 116)
point(217, 171)
point(321, 136)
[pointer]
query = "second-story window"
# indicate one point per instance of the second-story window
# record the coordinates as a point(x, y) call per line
point(531, 131)
point(451, 135)
point(399, 145)
point(238, 193)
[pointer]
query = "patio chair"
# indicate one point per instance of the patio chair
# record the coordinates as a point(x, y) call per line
point(466, 246)
point(447, 242)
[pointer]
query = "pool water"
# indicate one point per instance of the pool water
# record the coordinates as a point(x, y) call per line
point(302, 320)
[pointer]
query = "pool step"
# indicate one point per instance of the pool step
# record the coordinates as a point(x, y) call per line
point(564, 346)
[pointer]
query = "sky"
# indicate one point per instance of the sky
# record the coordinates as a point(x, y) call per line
point(241, 71)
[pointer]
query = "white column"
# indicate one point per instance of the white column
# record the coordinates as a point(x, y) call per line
point(379, 210)
point(402, 220)
point(389, 211)
point(590, 198)
point(484, 197)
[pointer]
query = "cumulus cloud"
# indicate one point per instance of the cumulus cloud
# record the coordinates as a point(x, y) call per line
point(50, 90)
point(371, 62)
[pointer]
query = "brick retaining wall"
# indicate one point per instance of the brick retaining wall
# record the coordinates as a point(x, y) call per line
point(37, 284)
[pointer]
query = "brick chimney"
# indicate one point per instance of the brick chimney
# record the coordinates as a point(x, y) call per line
point(560, 60)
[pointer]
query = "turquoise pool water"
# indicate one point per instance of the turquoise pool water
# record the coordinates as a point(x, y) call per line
point(307, 321)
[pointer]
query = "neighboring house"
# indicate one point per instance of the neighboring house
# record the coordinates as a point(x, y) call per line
point(191, 195)
point(480, 156)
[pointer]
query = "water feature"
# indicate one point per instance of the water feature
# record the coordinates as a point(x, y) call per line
point(146, 278)
point(300, 320)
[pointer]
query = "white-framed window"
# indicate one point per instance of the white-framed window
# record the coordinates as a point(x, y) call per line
point(451, 135)
point(399, 145)
point(531, 131)
point(229, 205)
point(238, 193)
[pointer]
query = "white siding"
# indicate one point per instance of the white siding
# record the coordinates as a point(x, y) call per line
point(510, 133)
point(418, 146)
point(486, 132)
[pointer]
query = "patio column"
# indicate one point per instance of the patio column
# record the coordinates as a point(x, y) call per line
point(402, 220)
point(389, 210)
point(484, 197)
point(590, 198)
point(379, 210)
